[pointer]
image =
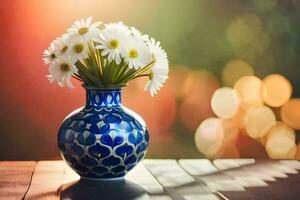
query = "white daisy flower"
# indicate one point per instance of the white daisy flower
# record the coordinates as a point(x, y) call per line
point(78, 48)
point(49, 54)
point(118, 25)
point(111, 40)
point(136, 53)
point(158, 77)
point(84, 29)
point(62, 46)
point(61, 71)
point(137, 33)
point(160, 68)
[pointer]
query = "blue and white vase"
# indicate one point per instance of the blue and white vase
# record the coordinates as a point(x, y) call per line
point(103, 140)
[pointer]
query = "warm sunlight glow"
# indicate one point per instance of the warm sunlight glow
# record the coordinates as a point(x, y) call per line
point(231, 131)
point(258, 120)
point(280, 142)
point(249, 88)
point(290, 113)
point(209, 136)
point(276, 90)
point(225, 102)
point(239, 118)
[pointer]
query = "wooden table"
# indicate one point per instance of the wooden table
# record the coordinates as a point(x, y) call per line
point(234, 179)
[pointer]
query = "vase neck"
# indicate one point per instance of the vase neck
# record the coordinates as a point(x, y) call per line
point(103, 97)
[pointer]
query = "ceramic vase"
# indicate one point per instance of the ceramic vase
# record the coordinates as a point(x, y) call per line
point(103, 140)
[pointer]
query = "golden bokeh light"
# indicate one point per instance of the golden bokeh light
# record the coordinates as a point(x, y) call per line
point(234, 70)
point(215, 138)
point(276, 90)
point(231, 132)
point(290, 113)
point(279, 129)
point(209, 136)
point(239, 118)
point(249, 87)
point(281, 148)
point(225, 102)
point(259, 120)
point(280, 142)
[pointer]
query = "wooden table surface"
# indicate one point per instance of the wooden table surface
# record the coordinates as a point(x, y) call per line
point(223, 179)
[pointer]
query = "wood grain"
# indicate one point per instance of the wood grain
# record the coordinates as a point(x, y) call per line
point(138, 184)
point(156, 179)
point(48, 179)
point(15, 179)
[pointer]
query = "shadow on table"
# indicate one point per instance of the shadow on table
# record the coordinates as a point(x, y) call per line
point(104, 190)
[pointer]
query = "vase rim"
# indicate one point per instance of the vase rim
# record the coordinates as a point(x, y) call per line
point(104, 88)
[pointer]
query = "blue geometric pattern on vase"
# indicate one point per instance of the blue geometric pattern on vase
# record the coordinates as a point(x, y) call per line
point(103, 139)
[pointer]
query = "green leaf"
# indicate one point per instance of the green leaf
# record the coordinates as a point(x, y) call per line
point(86, 75)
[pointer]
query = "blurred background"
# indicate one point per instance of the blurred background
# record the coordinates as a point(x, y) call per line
point(210, 44)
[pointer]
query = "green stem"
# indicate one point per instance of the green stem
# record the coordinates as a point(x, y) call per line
point(86, 75)
point(138, 72)
point(119, 71)
point(93, 62)
point(106, 73)
point(127, 75)
point(141, 76)
point(114, 70)
point(99, 57)
point(77, 77)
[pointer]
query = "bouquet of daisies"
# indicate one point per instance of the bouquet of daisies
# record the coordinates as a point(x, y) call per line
point(107, 57)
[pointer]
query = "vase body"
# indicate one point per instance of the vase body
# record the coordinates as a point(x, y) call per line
point(103, 139)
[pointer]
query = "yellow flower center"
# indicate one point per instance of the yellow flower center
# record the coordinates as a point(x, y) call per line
point(151, 75)
point(113, 44)
point(83, 30)
point(133, 53)
point(78, 48)
point(64, 49)
point(64, 67)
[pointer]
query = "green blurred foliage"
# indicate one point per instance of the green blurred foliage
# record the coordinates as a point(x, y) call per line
point(195, 34)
